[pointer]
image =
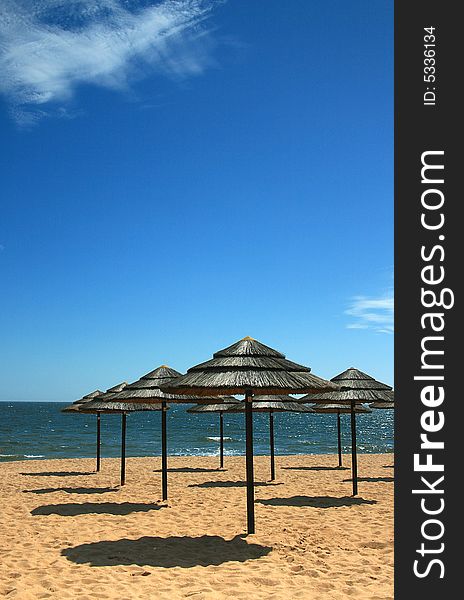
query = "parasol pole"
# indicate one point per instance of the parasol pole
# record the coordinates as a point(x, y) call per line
point(271, 443)
point(339, 431)
point(249, 461)
point(221, 435)
point(354, 458)
point(164, 451)
point(123, 448)
point(98, 442)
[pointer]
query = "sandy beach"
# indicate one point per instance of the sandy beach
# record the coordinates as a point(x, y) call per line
point(67, 532)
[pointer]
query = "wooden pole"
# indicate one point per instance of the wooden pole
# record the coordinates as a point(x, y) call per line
point(98, 442)
point(271, 443)
point(339, 439)
point(354, 458)
point(221, 435)
point(249, 462)
point(164, 452)
point(123, 448)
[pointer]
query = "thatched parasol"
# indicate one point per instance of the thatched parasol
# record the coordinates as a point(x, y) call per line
point(146, 392)
point(355, 386)
point(220, 407)
point(248, 367)
point(76, 407)
point(271, 404)
point(382, 405)
point(339, 409)
point(106, 403)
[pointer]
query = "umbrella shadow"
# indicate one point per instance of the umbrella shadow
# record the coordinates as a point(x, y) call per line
point(373, 479)
point(316, 501)
point(212, 484)
point(86, 508)
point(191, 470)
point(316, 468)
point(174, 551)
point(59, 473)
point(70, 490)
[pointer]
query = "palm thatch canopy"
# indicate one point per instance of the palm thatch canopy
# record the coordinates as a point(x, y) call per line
point(247, 367)
point(114, 406)
point(354, 379)
point(147, 390)
point(339, 408)
point(77, 405)
point(267, 403)
point(244, 367)
point(106, 403)
point(382, 405)
point(354, 386)
point(224, 403)
point(346, 396)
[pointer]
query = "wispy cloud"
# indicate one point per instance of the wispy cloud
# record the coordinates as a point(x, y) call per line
point(372, 313)
point(50, 47)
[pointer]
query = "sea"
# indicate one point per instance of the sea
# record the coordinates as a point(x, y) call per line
point(39, 430)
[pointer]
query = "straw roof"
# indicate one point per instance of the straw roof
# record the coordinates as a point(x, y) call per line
point(77, 405)
point(354, 379)
point(113, 406)
point(274, 398)
point(247, 366)
point(354, 385)
point(349, 395)
point(112, 390)
point(106, 403)
point(382, 405)
point(271, 406)
point(224, 403)
point(339, 408)
point(146, 390)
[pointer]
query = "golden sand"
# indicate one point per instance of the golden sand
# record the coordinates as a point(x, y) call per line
point(68, 534)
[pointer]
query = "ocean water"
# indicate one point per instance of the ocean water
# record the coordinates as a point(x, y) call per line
point(38, 430)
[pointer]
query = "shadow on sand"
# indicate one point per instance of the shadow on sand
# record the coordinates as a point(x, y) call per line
point(316, 501)
point(86, 508)
point(166, 552)
point(70, 490)
point(191, 470)
point(316, 468)
point(213, 484)
point(373, 479)
point(59, 473)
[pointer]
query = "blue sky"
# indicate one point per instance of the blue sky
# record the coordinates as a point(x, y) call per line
point(179, 175)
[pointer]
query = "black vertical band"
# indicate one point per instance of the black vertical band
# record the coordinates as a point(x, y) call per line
point(428, 254)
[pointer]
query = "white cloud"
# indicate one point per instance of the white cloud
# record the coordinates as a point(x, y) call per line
point(372, 313)
point(49, 47)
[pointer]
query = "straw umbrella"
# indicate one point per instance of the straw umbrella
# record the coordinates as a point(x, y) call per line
point(226, 401)
point(355, 386)
point(248, 367)
point(146, 390)
point(76, 407)
point(106, 403)
point(271, 404)
point(382, 405)
point(339, 409)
